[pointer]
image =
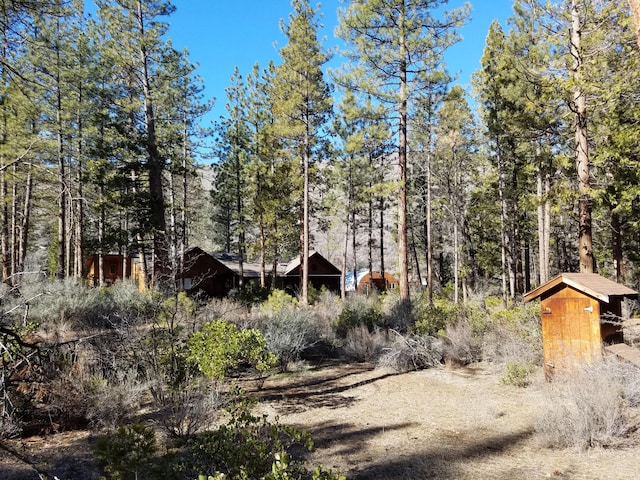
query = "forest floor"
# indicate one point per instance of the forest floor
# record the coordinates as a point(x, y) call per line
point(373, 424)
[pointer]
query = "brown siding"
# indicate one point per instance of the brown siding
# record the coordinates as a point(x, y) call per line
point(570, 329)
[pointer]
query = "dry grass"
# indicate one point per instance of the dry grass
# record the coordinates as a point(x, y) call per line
point(362, 345)
point(592, 407)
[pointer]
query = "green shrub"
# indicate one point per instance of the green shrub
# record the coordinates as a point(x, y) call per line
point(277, 301)
point(517, 374)
point(129, 453)
point(250, 294)
point(358, 310)
point(220, 347)
point(433, 318)
point(244, 448)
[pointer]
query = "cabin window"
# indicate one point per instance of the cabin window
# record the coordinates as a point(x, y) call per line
point(187, 284)
point(112, 268)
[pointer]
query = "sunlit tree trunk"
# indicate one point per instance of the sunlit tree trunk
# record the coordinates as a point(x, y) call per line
point(581, 147)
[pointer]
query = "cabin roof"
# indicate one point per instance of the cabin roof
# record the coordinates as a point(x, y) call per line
point(332, 270)
point(590, 284)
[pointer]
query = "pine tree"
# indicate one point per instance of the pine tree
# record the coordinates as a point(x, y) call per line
point(394, 42)
point(302, 105)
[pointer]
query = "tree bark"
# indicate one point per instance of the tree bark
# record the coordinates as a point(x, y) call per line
point(304, 264)
point(155, 165)
point(402, 161)
point(616, 241)
point(581, 147)
point(25, 220)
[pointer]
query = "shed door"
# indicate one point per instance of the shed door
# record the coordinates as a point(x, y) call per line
point(570, 331)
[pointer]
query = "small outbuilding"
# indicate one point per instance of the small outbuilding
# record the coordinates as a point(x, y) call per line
point(580, 313)
point(365, 281)
point(322, 274)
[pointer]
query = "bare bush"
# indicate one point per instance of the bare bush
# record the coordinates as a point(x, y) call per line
point(513, 335)
point(111, 404)
point(229, 310)
point(327, 309)
point(288, 332)
point(461, 345)
point(594, 406)
point(192, 409)
point(364, 346)
point(397, 314)
point(412, 352)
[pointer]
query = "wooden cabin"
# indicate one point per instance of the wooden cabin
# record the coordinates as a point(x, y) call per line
point(206, 274)
point(580, 313)
point(114, 267)
point(365, 281)
point(216, 274)
point(322, 274)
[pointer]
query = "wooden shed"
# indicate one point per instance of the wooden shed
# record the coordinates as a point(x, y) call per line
point(114, 267)
point(580, 312)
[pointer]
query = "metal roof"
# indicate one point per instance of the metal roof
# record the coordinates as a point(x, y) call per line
point(591, 284)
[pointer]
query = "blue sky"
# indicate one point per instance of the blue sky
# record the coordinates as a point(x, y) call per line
point(220, 34)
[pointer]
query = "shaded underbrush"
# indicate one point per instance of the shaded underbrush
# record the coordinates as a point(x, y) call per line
point(157, 375)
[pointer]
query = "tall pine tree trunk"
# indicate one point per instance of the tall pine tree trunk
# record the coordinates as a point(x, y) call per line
point(304, 261)
point(79, 233)
point(581, 147)
point(503, 228)
point(62, 188)
point(25, 220)
point(4, 235)
point(155, 166)
point(403, 264)
point(343, 273)
point(542, 236)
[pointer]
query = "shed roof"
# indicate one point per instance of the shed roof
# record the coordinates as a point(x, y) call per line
point(591, 284)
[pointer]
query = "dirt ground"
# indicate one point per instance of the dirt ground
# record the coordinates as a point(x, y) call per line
point(432, 424)
point(372, 424)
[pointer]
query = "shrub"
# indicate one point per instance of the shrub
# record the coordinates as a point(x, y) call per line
point(278, 300)
point(514, 335)
point(517, 374)
point(244, 448)
point(220, 347)
point(128, 454)
point(326, 311)
point(412, 352)
point(288, 333)
point(358, 310)
point(363, 345)
point(250, 294)
point(192, 409)
point(398, 314)
point(432, 319)
point(595, 406)
point(111, 403)
point(226, 309)
point(461, 345)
